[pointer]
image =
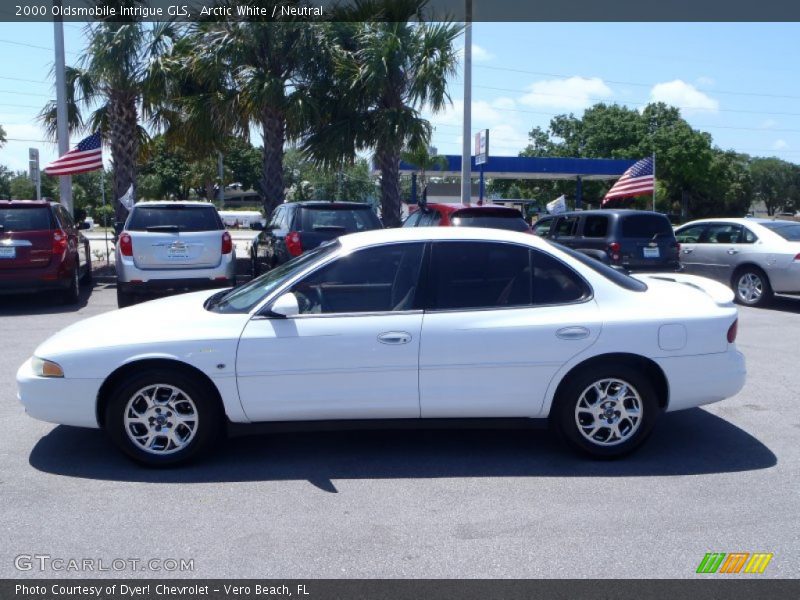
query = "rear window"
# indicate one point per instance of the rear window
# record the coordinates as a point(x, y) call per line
point(787, 230)
point(509, 220)
point(24, 218)
point(618, 277)
point(180, 216)
point(645, 226)
point(344, 220)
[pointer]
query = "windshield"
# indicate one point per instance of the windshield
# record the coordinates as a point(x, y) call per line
point(180, 217)
point(788, 230)
point(346, 220)
point(242, 299)
point(25, 218)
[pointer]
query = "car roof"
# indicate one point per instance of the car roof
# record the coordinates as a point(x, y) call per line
point(739, 220)
point(610, 211)
point(173, 203)
point(451, 208)
point(324, 204)
point(424, 234)
point(7, 203)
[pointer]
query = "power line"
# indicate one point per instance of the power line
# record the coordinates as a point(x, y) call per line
point(23, 93)
point(26, 45)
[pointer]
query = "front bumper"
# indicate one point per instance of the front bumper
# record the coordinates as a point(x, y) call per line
point(58, 399)
point(703, 379)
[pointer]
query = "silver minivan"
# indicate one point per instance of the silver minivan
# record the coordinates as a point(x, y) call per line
point(172, 247)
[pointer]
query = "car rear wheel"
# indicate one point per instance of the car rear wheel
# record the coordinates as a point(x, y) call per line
point(751, 287)
point(72, 294)
point(161, 417)
point(606, 411)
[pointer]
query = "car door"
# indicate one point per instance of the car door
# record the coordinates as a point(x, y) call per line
point(726, 246)
point(351, 353)
point(689, 238)
point(565, 230)
point(542, 227)
point(501, 319)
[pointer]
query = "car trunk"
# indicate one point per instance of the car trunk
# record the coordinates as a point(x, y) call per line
point(26, 237)
point(318, 225)
point(169, 249)
point(647, 241)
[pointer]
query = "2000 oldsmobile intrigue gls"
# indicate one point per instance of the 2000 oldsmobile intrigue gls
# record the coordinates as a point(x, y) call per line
point(415, 323)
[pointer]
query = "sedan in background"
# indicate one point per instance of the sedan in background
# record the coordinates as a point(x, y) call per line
point(42, 249)
point(395, 326)
point(459, 215)
point(755, 257)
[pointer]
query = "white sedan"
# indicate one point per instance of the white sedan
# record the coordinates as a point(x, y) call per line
point(415, 323)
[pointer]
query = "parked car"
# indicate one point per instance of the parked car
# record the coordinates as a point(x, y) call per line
point(297, 227)
point(514, 328)
point(755, 257)
point(42, 249)
point(637, 240)
point(172, 246)
point(460, 215)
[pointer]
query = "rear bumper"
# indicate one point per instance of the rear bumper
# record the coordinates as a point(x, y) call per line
point(32, 284)
point(703, 379)
point(129, 276)
point(176, 285)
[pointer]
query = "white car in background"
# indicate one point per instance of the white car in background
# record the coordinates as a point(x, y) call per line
point(755, 257)
point(404, 324)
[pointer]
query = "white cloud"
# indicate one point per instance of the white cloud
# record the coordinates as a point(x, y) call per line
point(504, 103)
point(704, 81)
point(769, 124)
point(780, 145)
point(683, 95)
point(481, 54)
point(570, 94)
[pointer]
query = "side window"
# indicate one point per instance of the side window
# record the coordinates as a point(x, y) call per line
point(748, 236)
point(275, 222)
point(554, 282)
point(65, 218)
point(542, 227)
point(595, 226)
point(430, 219)
point(565, 227)
point(380, 279)
point(690, 235)
point(413, 219)
point(480, 275)
point(723, 233)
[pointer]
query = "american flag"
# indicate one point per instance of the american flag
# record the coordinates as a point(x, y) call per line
point(637, 180)
point(87, 156)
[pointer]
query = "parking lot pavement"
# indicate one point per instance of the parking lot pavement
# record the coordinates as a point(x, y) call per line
point(415, 504)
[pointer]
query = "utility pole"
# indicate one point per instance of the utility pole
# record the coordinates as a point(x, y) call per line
point(64, 181)
point(466, 153)
point(221, 177)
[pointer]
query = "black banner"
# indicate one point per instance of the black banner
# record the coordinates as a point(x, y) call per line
point(731, 588)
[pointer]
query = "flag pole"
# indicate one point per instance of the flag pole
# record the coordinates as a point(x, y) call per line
point(105, 216)
point(654, 181)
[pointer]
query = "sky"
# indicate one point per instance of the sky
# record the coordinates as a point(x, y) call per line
point(737, 81)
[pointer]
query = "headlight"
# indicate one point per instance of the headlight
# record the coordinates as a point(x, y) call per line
point(46, 368)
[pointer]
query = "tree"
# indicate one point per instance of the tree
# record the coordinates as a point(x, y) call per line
point(774, 183)
point(425, 160)
point(124, 72)
point(383, 72)
point(5, 182)
point(2, 136)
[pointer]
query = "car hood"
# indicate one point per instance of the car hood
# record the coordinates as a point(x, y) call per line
point(144, 326)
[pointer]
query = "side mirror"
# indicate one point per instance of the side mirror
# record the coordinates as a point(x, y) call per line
point(118, 227)
point(256, 226)
point(285, 306)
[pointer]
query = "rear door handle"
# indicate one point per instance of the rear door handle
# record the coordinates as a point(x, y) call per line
point(688, 250)
point(733, 251)
point(572, 333)
point(394, 337)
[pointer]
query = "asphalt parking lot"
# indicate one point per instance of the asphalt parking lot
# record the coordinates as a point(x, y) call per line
point(414, 504)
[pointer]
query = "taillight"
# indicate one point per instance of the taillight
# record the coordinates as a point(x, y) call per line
point(797, 258)
point(613, 250)
point(227, 243)
point(294, 244)
point(677, 246)
point(732, 331)
point(60, 241)
point(125, 244)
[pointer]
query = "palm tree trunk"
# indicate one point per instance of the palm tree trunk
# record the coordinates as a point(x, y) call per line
point(273, 127)
point(124, 140)
point(388, 158)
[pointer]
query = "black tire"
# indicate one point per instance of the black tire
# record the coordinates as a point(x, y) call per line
point(86, 279)
point(72, 294)
point(746, 283)
point(208, 422)
point(604, 443)
point(255, 271)
point(124, 298)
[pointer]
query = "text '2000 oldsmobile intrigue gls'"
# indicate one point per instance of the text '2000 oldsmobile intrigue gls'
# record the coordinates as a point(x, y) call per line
point(398, 325)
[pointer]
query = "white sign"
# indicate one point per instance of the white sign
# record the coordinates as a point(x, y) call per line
point(557, 206)
point(482, 147)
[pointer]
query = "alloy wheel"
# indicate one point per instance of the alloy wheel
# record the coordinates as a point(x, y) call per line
point(609, 412)
point(161, 419)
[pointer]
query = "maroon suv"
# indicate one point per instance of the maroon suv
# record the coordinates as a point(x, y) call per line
point(41, 249)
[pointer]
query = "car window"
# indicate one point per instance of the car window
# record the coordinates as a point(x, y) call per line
point(645, 226)
point(412, 219)
point(786, 229)
point(542, 226)
point(595, 226)
point(183, 217)
point(509, 220)
point(722, 233)
point(431, 218)
point(565, 226)
point(691, 234)
point(554, 282)
point(345, 220)
point(65, 218)
point(24, 218)
point(277, 218)
point(749, 236)
point(379, 279)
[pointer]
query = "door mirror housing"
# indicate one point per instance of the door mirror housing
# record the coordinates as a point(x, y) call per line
point(285, 306)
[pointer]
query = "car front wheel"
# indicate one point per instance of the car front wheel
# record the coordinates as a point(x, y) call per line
point(606, 411)
point(162, 418)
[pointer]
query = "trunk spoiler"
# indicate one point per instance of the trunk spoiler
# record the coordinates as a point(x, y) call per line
point(719, 293)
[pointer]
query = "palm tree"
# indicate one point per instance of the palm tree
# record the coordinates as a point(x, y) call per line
point(123, 76)
point(385, 71)
point(425, 160)
point(252, 74)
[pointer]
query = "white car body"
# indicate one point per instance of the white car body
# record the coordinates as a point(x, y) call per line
point(504, 362)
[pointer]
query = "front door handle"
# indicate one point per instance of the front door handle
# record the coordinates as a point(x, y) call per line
point(688, 250)
point(394, 337)
point(572, 333)
point(733, 251)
